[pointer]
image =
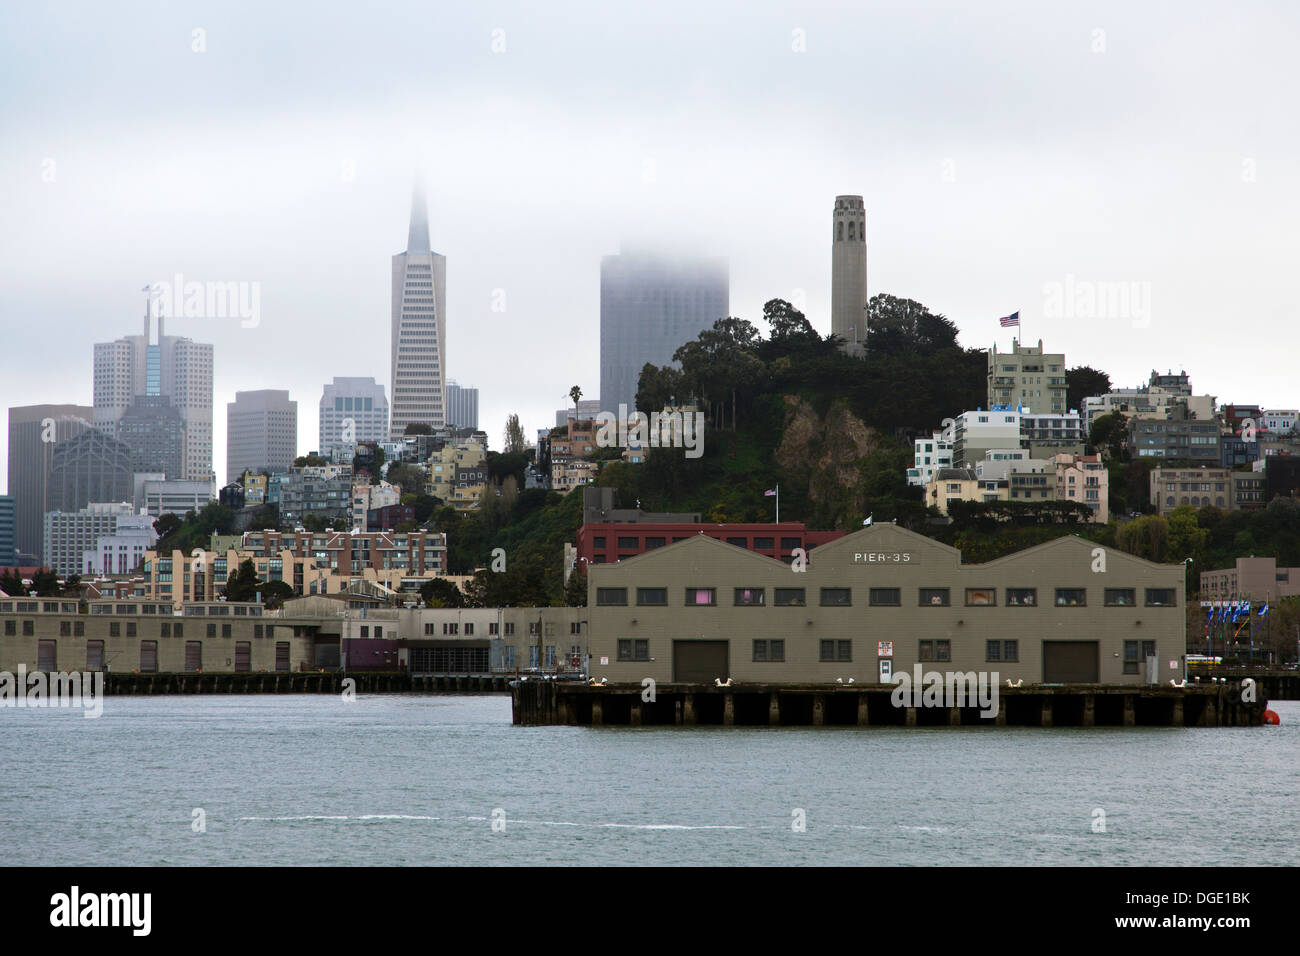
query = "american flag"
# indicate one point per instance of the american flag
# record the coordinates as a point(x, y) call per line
point(1012, 319)
point(769, 493)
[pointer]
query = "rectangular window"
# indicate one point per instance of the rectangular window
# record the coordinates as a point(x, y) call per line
point(981, 597)
point(11, 628)
point(1071, 597)
point(993, 650)
point(654, 543)
point(1022, 597)
point(837, 597)
point(148, 657)
point(751, 597)
point(78, 628)
point(598, 542)
point(702, 597)
point(243, 657)
point(282, 656)
point(769, 651)
point(469, 629)
point(47, 657)
point(1011, 651)
point(212, 630)
point(626, 542)
point(763, 544)
point(836, 650)
point(1161, 597)
point(29, 628)
point(1131, 660)
point(165, 629)
point(633, 649)
point(789, 544)
point(789, 597)
point(510, 629)
point(652, 597)
point(193, 656)
point(258, 630)
point(115, 629)
point(884, 597)
point(225, 630)
point(933, 597)
point(611, 597)
point(65, 629)
point(178, 629)
point(130, 628)
point(1120, 597)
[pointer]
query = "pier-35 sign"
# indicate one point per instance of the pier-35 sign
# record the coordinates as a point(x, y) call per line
point(882, 557)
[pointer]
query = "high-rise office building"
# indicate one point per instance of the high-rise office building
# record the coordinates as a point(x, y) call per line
point(849, 273)
point(419, 328)
point(89, 467)
point(352, 410)
point(462, 406)
point(8, 532)
point(34, 432)
point(261, 432)
point(650, 305)
point(169, 366)
point(152, 428)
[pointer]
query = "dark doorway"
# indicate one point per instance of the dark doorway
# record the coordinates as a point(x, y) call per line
point(1071, 662)
point(700, 662)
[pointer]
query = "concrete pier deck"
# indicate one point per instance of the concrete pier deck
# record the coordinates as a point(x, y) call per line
point(813, 705)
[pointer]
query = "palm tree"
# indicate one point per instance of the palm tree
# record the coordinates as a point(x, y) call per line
point(575, 393)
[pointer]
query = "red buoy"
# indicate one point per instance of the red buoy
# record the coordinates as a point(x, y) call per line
point(1271, 717)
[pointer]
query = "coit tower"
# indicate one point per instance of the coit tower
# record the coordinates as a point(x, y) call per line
point(849, 273)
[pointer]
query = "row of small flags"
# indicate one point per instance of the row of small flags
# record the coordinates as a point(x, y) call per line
point(1231, 614)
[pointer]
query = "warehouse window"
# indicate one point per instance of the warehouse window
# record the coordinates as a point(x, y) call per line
point(1161, 597)
point(836, 650)
point(933, 597)
point(751, 597)
point(1120, 597)
point(770, 651)
point(652, 597)
point(701, 597)
point(981, 597)
point(1071, 597)
point(1022, 597)
point(789, 597)
point(611, 597)
point(884, 597)
point(630, 649)
point(837, 597)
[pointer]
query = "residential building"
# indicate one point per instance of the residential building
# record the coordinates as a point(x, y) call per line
point(1048, 435)
point(1187, 440)
point(261, 432)
point(70, 537)
point(171, 367)
point(929, 455)
point(419, 328)
point(950, 485)
point(1249, 490)
point(1027, 376)
point(1282, 476)
point(880, 601)
point(445, 463)
point(1254, 579)
point(650, 305)
point(324, 491)
point(1280, 421)
point(353, 410)
point(367, 497)
point(568, 475)
point(978, 432)
point(849, 273)
point(34, 432)
point(123, 551)
point(1196, 487)
point(1177, 382)
point(1084, 479)
point(462, 406)
point(157, 498)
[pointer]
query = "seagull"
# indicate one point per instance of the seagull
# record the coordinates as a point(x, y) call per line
point(597, 683)
point(852, 679)
point(1016, 684)
point(839, 680)
point(1174, 683)
point(719, 682)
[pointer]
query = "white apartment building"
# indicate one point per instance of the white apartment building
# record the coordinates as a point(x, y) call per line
point(70, 536)
point(977, 432)
point(122, 552)
point(928, 455)
point(158, 498)
point(1279, 421)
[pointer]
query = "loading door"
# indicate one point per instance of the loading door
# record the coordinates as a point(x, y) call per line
point(700, 662)
point(1071, 662)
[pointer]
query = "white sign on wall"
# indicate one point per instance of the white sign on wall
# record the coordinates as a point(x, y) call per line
point(884, 648)
point(604, 662)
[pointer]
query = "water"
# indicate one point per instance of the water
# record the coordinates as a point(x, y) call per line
point(401, 779)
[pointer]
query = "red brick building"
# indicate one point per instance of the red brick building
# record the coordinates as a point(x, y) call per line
point(609, 541)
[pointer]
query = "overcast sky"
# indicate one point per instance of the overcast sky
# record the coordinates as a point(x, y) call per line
point(1001, 148)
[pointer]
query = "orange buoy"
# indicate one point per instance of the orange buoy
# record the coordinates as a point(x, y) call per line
point(1271, 717)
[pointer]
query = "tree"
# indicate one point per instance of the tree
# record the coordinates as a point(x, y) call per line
point(11, 583)
point(417, 428)
point(789, 326)
point(242, 585)
point(896, 326)
point(439, 592)
point(575, 393)
point(660, 387)
point(1108, 433)
point(514, 443)
point(310, 461)
point(166, 524)
point(1082, 382)
point(45, 583)
point(409, 477)
point(274, 593)
point(575, 591)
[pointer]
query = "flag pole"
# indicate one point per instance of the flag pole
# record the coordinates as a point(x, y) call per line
point(778, 502)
